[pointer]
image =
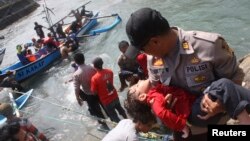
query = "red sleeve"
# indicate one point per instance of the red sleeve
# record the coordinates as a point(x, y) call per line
point(170, 119)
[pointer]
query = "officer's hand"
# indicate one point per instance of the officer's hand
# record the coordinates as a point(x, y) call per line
point(169, 101)
point(211, 107)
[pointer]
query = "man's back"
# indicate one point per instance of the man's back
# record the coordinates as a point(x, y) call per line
point(102, 83)
point(82, 77)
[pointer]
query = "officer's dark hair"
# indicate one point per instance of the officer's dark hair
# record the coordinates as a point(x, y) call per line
point(137, 110)
point(123, 44)
point(79, 58)
point(35, 23)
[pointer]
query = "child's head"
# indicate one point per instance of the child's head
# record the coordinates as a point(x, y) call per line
point(123, 46)
point(139, 91)
point(141, 115)
point(139, 111)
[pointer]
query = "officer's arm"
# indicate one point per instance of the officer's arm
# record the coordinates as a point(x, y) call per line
point(153, 77)
point(225, 62)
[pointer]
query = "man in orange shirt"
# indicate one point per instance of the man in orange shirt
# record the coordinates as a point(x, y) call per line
point(102, 85)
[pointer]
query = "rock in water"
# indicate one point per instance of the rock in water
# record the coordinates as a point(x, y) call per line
point(245, 65)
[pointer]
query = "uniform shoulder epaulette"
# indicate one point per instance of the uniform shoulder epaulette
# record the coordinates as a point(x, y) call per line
point(211, 37)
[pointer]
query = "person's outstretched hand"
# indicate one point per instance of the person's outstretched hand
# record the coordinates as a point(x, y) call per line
point(210, 107)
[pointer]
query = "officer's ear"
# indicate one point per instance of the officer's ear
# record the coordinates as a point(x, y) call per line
point(154, 40)
point(142, 97)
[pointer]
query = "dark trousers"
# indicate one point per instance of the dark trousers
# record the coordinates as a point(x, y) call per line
point(234, 98)
point(111, 110)
point(93, 105)
point(133, 75)
point(123, 75)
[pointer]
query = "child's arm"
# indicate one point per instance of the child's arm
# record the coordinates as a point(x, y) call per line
point(170, 119)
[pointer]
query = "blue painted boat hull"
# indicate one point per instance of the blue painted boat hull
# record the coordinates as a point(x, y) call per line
point(20, 101)
point(24, 72)
point(106, 28)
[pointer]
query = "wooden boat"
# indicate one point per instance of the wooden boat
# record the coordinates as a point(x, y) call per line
point(20, 101)
point(23, 72)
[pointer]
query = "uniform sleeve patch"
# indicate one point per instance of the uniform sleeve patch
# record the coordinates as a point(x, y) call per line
point(157, 62)
point(185, 45)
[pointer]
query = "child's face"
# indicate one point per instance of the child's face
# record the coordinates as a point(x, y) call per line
point(140, 89)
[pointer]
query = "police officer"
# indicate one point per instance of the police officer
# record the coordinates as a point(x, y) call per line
point(191, 60)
